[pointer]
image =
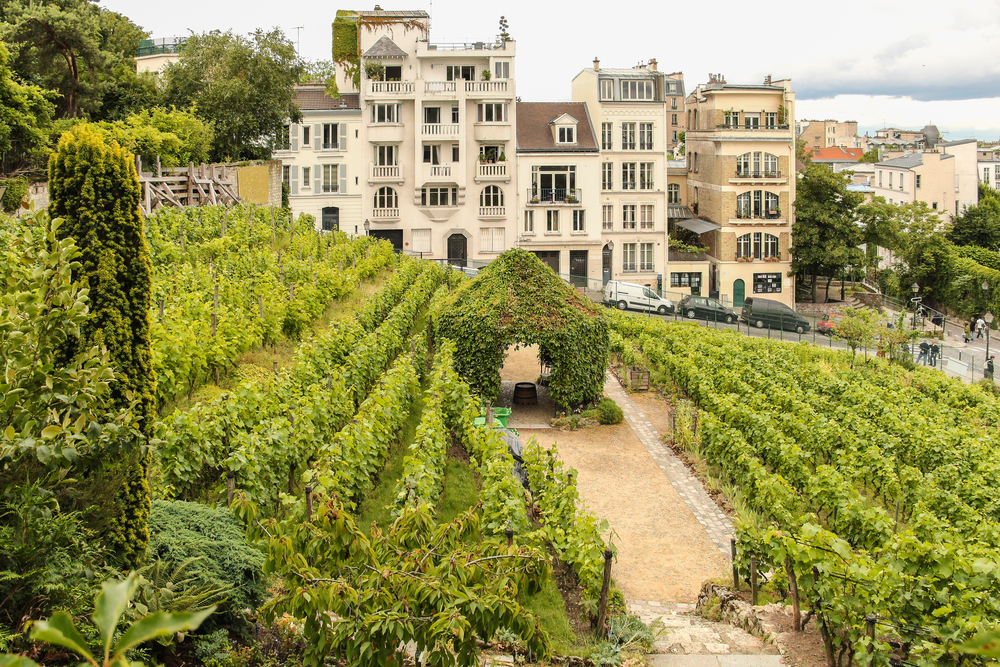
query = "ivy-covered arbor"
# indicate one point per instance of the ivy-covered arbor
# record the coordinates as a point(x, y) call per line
point(518, 300)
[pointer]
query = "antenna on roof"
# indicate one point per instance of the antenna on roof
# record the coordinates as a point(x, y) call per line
point(298, 31)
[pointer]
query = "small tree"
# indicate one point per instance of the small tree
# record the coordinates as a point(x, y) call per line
point(95, 189)
point(858, 328)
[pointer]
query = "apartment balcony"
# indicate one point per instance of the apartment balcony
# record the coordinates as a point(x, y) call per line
point(758, 177)
point(385, 214)
point(441, 129)
point(679, 256)
point(491, 171)
point(440, 87)
point(390, 90)
point(492, 212)
point(492, 132)
point(438, 171)
point(745, 133)
point(486, 89)
point(555, 196)
point(385, 173)
point(385, 133)
point(766, 218)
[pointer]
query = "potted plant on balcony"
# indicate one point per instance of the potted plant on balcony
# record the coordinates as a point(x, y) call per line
point(571, 198)
point(502, 158)
point(486, 75)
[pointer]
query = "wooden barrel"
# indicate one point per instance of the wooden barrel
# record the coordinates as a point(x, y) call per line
point(525, 394)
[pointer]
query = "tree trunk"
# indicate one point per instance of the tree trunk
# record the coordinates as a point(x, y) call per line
point(815, 277)
point(842, 281)
point(828, 281)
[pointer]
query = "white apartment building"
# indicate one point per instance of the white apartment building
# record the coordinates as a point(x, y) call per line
point(320, 159)
point(639, 113)
point(988, 167)
point(437, 127)
point(558, 165)
point(944, 177)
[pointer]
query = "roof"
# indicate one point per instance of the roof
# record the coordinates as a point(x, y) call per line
point(837, 153)
point(904, 162)
point(314, 98)
point(677, 211)
point(698, 226)
point(957, 142)
point(402, 14)
point(637, 72)
point(534, 133)
point(384, 48)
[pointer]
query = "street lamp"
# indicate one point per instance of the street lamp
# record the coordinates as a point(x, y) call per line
point(916, 303)
point(368, 227)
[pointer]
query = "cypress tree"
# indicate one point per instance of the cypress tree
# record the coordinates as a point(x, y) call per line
point(94, 187)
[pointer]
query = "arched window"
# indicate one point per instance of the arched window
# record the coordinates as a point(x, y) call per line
point(758, 245)
point(673, 193)
point(491, 195)
point(386, 198)
point(757, 165)
point(757, 204)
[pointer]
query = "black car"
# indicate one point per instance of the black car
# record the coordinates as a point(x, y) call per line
point(704, 308)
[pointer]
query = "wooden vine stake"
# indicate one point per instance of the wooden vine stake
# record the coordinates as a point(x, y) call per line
point(602, 609)
point(260, 306)
point(831, 660)
point(732, 557)
point(161, 310)
point(753, 580)
point(214, 324)
point(230, 486)
point(509, 532)
point(275, 367)
point(309, 503)
point(225, 218)
point(216, 298)
point(793, 588)
point(870, 622)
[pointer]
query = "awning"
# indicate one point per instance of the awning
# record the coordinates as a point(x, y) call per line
point(698, 226)
point(675, 211)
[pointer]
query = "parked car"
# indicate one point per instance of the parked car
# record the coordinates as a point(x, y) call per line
point(772, 314)
point(630, 295)
point(705, 308)
point(827, 325)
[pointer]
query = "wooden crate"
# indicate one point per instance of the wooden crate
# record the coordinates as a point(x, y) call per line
point(638, 380)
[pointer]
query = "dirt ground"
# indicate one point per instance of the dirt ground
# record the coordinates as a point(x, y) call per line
point(655, 408)
point(664, 553)
point(522, 366)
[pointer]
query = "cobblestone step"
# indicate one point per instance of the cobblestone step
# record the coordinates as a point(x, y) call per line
point(715, 660)
point(681, 632)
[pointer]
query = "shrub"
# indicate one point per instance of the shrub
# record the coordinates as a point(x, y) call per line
point(17, 189)
point(181, 530)
point(608, 412)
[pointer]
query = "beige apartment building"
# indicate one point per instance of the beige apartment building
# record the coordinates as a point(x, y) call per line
point(741, 187)
point(830, 133)
point(639, 114)
point(944, 177)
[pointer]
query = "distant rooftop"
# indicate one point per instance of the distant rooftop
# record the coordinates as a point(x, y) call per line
point(313, 97)
point(401, 14)
point(153, 47)
point(534, 131)
point(904, 162)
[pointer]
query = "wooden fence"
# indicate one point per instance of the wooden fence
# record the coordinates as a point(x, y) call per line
point(203, 185)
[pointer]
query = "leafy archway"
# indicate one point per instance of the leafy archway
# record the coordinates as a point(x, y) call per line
point(518, 299)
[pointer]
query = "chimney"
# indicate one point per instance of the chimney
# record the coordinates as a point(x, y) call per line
point(597, 63)
point(652, 65)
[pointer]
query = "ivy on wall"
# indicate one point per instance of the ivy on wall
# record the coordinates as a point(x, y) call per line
point(518, 299)
point(346, 50)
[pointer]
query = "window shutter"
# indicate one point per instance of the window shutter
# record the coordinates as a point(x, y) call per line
point(317, 137)
point(317, 180)
point(498, 244)
point(293, 177)
point(342, 168)
point(486, 239)
point(343, 137)
point(294, 131)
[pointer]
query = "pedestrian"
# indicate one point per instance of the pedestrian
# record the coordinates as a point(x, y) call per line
point(935, 351)
point(924, 349)
point(980, 325)
point(988, 367)
point(967, 334)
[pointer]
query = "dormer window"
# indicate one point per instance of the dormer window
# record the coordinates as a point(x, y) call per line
point(564, 129)
point(567, 135)
point(635, 89)
point(607, 89)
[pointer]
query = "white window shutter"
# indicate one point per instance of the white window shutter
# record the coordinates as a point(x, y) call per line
point(294, 131)
point(317, 137)
point(498, 244)
point(343, 174)
point(293, 177)
point(486, 239)
point(343, 137)
point(317, 179)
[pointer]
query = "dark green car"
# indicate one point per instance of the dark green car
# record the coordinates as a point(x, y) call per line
point(705, 308)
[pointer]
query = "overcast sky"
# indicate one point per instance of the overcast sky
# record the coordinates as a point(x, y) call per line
point(902, 64)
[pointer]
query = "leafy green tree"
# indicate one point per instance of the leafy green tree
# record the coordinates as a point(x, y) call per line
point(880, 227)
point(825, 234)
point(25, 113)
point(978, 225)
point(870, 157)
point(95, 189)
point(858, 328)
point(176, 137)
point(243, 85)
point(924, 248)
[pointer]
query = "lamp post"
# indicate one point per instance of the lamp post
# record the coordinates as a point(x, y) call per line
point(916, 303)
point(368, 227)
point(989, 321)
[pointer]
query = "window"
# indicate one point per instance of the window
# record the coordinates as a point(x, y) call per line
point(637, 90)
point(305, 177)
point(757, 165)
point(457, 72)
point(646, 257)
point(305, 135)
point(771, 120)
point(675, 136)
point(454, 115)
point(732, 119)
point(385, 113)
point(628, 136)
point(770, 245)
point(566, 135)
point(393, 73)
point(880, 178)
point(673, 193)
point(283, 141)
point(757, 245)
point(628, 256)
point(751, 121)
point(607, 89)
point(439, 196)
point(432, 115)
point(607, 217)
point(552, 222)
point(286, 174)
point(646, 175)
point(421, 240)
point(386, 156)
point(529, 222)
point(491, 195)
point(901, 177)
point(672, 87)
point(553, 182)
point(890, 180)
point(757, 204)
point(331, 135)
point(685, 279)
point(432, 154)
point(673, 119)
point(767, 283)
point(628, 216)
point(455, 153)
point(646, 136)
point(578, 221)
point(501, 69)
point(607, 180)
point(386, 198)
point(628, 175)
point(646, 216)
point(607, 143)
point(491, 239)
point(493, 112)
point(331, 182)
point(933, 205)
point(673, 100)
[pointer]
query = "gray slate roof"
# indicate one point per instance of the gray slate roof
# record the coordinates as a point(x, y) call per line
point(385, 48)
point(405, 14)
point(904, 162)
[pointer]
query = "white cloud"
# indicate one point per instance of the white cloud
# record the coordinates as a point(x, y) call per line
point(956, 119)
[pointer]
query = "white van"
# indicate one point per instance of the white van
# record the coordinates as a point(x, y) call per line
point(629, 295)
